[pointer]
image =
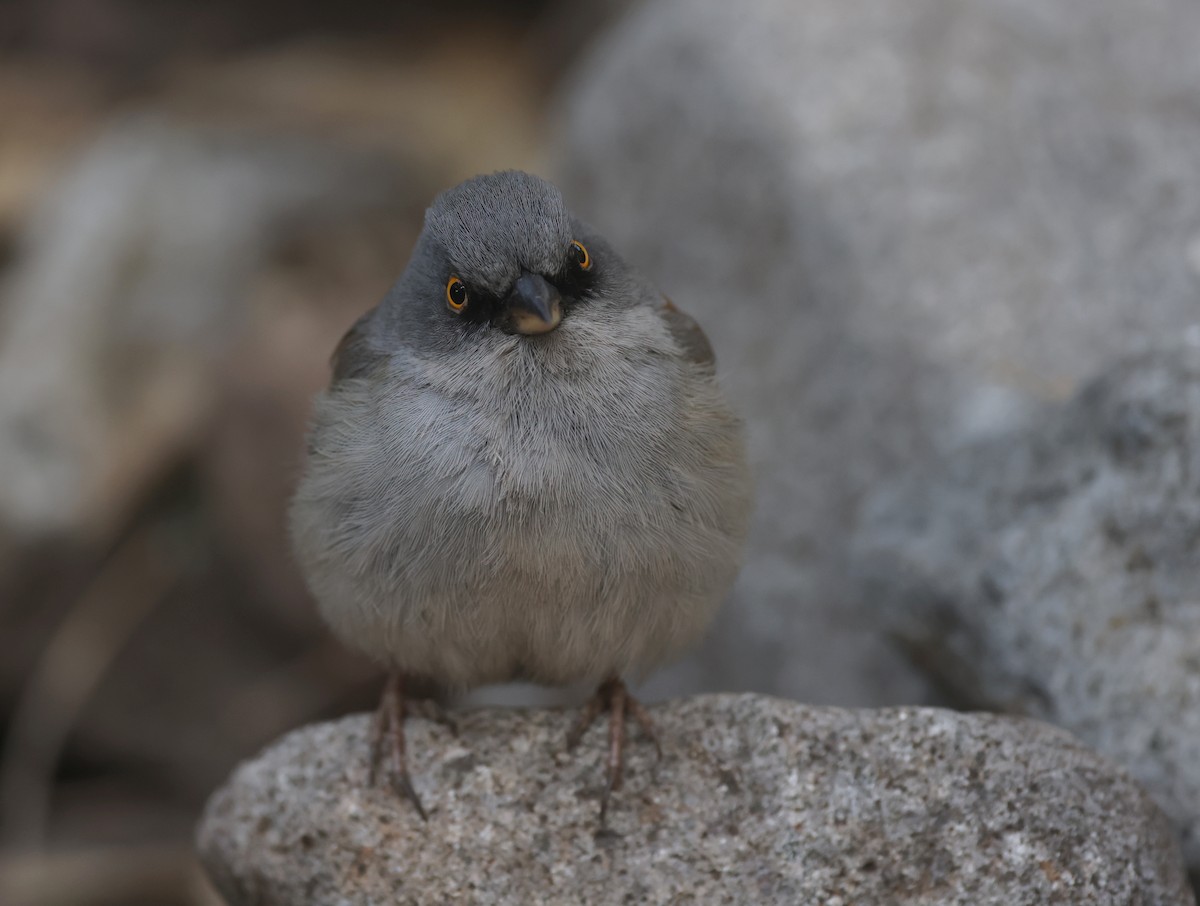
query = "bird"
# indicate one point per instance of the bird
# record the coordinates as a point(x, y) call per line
point(523, 469)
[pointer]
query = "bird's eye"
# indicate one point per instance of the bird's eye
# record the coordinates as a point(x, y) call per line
point(579, 255)
point(456, 294)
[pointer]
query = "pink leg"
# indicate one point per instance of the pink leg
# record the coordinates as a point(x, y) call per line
point(615, 698)
point(388, 724)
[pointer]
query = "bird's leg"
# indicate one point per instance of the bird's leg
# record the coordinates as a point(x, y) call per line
point(613, 696)
point(388, 724)
point(379, 727)
point(616, 747)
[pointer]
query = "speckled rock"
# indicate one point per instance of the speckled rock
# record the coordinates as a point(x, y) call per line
point(903, 225)
point(757, 800)
point(1056, 573)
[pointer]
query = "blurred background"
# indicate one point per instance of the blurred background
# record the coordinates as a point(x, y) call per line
point(904, 229)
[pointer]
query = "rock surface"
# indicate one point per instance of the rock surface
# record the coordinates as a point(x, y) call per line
point(903, 225)
point(757, 800)
point(1056, 573)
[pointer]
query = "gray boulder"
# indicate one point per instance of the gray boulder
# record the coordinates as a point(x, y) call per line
point(904, 226)
point(1056, 573)
point(757, 800)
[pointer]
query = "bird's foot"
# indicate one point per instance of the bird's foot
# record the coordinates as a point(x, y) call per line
point(387, 727)
point(615, 698)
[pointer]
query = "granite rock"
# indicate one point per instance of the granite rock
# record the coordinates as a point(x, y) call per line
point(904, 227)
point(756, 800)
point(1056, 573)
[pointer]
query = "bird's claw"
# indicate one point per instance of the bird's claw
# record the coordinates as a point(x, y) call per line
point(615, 698)
point(388, 724)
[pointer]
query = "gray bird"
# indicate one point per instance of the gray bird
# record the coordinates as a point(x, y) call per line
point(523, 468)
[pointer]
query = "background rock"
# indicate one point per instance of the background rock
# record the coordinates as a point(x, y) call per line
point(1055, 573)
point(756, 800)
point(129, 283)
point(903, 226)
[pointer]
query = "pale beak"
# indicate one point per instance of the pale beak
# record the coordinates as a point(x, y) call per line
point(533, 306)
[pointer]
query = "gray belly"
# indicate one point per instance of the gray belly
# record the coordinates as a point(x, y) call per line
point(557, 554)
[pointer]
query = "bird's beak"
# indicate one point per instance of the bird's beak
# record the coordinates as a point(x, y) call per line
point(534, 306)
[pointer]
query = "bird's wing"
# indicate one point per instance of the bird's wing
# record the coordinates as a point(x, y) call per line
point(355, 356)
point(688, 335)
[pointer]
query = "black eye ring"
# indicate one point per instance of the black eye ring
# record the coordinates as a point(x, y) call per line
point(456, 294)
point(580, 255)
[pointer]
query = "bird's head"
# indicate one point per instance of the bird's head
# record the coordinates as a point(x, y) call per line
point(500, 254)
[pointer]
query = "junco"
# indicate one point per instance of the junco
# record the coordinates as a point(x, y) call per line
point(523, 468)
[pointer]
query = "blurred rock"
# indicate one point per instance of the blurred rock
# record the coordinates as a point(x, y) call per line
point(903, 225)
point(757, 800)
point(128, 285)
point(1055, 573)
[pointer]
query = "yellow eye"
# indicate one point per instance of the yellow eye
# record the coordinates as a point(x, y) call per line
point(579, 254)
point(456, 294)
